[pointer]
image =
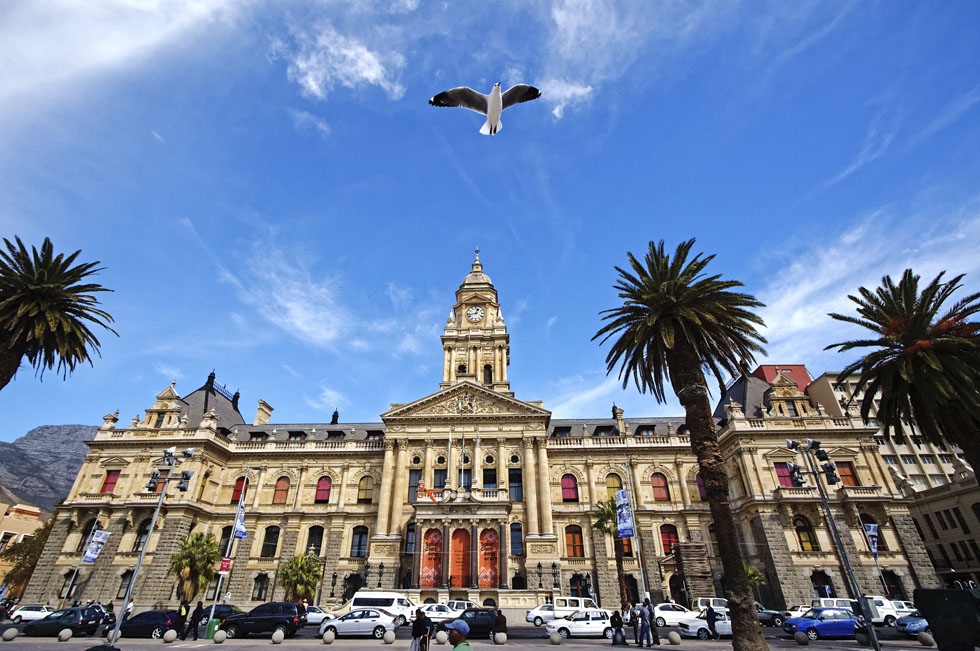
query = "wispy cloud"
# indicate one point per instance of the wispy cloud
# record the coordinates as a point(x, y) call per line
point(289, 369)
point(168, 371)
point(878, 138)
point(327, 400)
point(160, 139)
point(547, 327)
point(306, 121)
point(562, 93)
point(950, 114)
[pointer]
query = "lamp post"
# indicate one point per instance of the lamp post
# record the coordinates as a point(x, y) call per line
point(381, 573)
point(333, 584)
point(170, 462)
point(554, 574)
point(539, 576)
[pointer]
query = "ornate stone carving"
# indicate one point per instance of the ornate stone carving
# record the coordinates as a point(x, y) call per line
point(541, 548)
point(109, 421)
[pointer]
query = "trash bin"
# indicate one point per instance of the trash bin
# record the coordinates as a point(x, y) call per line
point(212, 627)
point(953, 616)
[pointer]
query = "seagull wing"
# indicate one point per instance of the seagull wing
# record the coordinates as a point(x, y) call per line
point(519, 93)
point(464, 98)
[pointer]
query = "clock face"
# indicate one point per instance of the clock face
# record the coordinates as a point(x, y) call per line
point(474, 314)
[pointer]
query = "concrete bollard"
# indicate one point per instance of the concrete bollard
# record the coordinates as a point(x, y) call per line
point(278, 636)
point(64, 635)
point(925, 639)
point(220, 637)
point(555, 638)
point(442, 637)
point(170, 636)
point(329, 637)
point(389, 637)
point(10, 634)
point(500, 638)
point(801, 638)
point(674, 638)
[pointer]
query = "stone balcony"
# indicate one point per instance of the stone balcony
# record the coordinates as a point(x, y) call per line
point(309, 445)
point(627, 442)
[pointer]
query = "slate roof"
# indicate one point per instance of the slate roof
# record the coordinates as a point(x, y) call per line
point(196, 403)
point(749, 391)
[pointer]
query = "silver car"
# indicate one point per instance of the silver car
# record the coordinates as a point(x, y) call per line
point(372, 622)
point(438, 612)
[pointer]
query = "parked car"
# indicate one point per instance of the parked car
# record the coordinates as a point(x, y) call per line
point(266, 618)
point(698, 626)
point(903, 607)
point(362, 621)
point(912, 624)
point(79, 620)
point(393, 602)
point(834, 602)
point(459, 605)
point(769, 617)
point(480, 621)
point(590, 622)
point(438, 612)
point(887, 612)
point(670, 614)
point(221, 611)
point(719, 604)
point(538, 616)
point(30, 613)
point(796, 611)
point(568, 605)
point(823, 622)
point(149, 623)
point(315, 615)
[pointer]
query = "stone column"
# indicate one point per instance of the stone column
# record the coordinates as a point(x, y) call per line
point(787, 583)
point(417, 557)
point(344, 478)
point(446, 553)
point(387, 479)
point(501, 464)
point(529, 480)
point(682, 480)
point(45, 583)
point(451, 477)
point(590, 478)
point(256, 488)
point(400, 488)
point(427, 470)
point(502, 554)
point(477, 464)
point(474, 556)
point(544, 488)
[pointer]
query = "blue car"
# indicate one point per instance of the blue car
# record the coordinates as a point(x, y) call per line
point(912, 624)
point(823, 622)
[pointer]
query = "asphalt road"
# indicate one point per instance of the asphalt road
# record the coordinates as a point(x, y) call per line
point(522, 637)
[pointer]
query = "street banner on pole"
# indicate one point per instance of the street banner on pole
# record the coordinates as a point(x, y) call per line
point(872, 531)
point(624, 513)
point(225, 566)
point(240, 531)
point(99, 539)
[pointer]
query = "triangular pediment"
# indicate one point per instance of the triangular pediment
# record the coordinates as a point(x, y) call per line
point(169, 393)
point(114, 462)
point(467, 401)
point(477, 297)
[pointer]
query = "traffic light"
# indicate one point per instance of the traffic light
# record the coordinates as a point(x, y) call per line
point(792, 445)
point(796, 474)
point(154, 479)
point(812, 444)
point(822, 455)
point(830, 472)
point(185, 476)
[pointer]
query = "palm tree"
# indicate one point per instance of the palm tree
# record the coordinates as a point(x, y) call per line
point(675, 322)
point(923, 362)
point(607, 522)
point(193, 564)
point(300, 576)
point(755, 578)
point(44, 307)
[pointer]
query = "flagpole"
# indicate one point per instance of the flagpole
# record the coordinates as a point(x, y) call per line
point(231, 541)
point(874, 553)
point(636, 532)
point(81, 558)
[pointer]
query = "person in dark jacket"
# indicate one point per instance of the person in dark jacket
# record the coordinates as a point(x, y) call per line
point(420, 629)
point(619, 632)
point(196, 618)
point(710, 617)
point(499, 626)
point(183, 610)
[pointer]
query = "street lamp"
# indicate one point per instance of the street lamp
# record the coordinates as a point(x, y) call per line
point(554, 573)
point(333, 584)
point(169, 461)
point(381, 573)
point(539, 575)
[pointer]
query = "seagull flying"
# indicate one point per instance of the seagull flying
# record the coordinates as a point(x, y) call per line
point(489, 105)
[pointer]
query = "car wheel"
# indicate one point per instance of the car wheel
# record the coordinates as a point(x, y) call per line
point(703, 634)
point(538, 621)
point(28, 630)
point(232, 632)
point(379, 632)
point(777, 621)
point(608, 634)
point(401, 620)
point(889, 621)
point(17, 620)
point(563, 632)
point(812, 634)
point(661, 621)
point(157, 633)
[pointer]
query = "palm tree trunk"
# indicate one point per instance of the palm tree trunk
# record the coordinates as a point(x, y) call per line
point(623, 592)
point(10, 359)
point(687, 380)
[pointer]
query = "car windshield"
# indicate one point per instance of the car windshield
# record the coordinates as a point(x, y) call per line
point(813, 613)
point(915, 613)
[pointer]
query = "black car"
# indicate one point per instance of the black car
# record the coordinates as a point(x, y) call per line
point(266, 618)
point(480, 620)
point(150, 623)
point(79, 620)
point(769, 617)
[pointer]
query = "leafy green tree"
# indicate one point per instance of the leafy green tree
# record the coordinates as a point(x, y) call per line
point(23, 557)
point(675, 322)
point(300, 576)
point(607, 522)
point(193, 564)
point(923, 360)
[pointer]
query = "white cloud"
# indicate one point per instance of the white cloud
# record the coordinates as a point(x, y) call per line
point(306, 121)
point(879, 137)
point(551, 321)
point(168, 371)
point(323, 58)
point(950, 113)
point(160, 139)
point(291, 371)
point(562, 93)
point(328, 399)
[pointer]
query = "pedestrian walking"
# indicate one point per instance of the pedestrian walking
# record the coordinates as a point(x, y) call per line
point(129, 611)
point(645, 613)
point(196, 618)
point(499, 626)
point(182, 611)
point(635, 623)
point(420, 629)
point(710, 617)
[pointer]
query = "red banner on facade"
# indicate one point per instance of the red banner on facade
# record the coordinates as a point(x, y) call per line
point(489, 558)
point(225, 565)
point(430, 575)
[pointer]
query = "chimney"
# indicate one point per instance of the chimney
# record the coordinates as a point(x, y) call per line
point(263, 414)
point(234, 400)
point(618, 415)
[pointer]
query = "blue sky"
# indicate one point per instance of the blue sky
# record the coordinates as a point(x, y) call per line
point(273, 198)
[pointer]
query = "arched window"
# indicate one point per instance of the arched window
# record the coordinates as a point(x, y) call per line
point(805, 534)
point(323, 490)
point(668, 538)
point(574, 547)
point(270, 542)
point(124, 580)
point(358, 542)
point(461, 369)
point(488, 374)
point(69, 586)
point(240, 489)
point(702, 493)
point(661, 492)
point(86, 532)
point(142, 535)
point(365, 490)
point(569, 488)
point(109, 483)
point(314, 540)
point(516, 539)
point(282, 491)
point(260, 587)
point(882, 543)
point(225, 539)
point(614, 483)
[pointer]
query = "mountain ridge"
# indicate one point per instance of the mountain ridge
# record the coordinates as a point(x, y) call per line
point(40, 467)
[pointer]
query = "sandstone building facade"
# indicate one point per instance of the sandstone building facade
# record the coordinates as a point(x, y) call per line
point(506, 518)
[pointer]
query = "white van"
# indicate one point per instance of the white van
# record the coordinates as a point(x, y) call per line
point(718, 603)
point(568, 605)
point(886, 610)
point(393, 602)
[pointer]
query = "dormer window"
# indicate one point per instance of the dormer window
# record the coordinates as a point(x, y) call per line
point(603, 431)
point(335, 436)
point(297, 436)
point(646, 430)
point(160, 417)
point(791, 409)
point(257, 436)
point(562, 432)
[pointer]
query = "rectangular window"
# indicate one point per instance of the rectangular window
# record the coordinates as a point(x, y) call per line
point(466, 478)
point(890, 459)
point(909, 459)
point(847, 475)
point(946, 458)
point(410, 539)
point(627, 547)
point(783, 475)
point(932, 529)
point(489, 477)
point(240, 487)
point(8, 538)
point(919, 480)
point(976, 550)
point(956, 551)
point(928, 458)
point(573, 543)
point(959, 518)
point(966, 551)
point(515, 484)
point(516, 539)
point(109, 484)
point(942, 551)
point(941, 520)
point(937, 479)
point(439, 479)
point(791, 408)
point(949, 518)
point(414, 477)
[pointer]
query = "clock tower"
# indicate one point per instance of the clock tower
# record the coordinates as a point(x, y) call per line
point(475, 344)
